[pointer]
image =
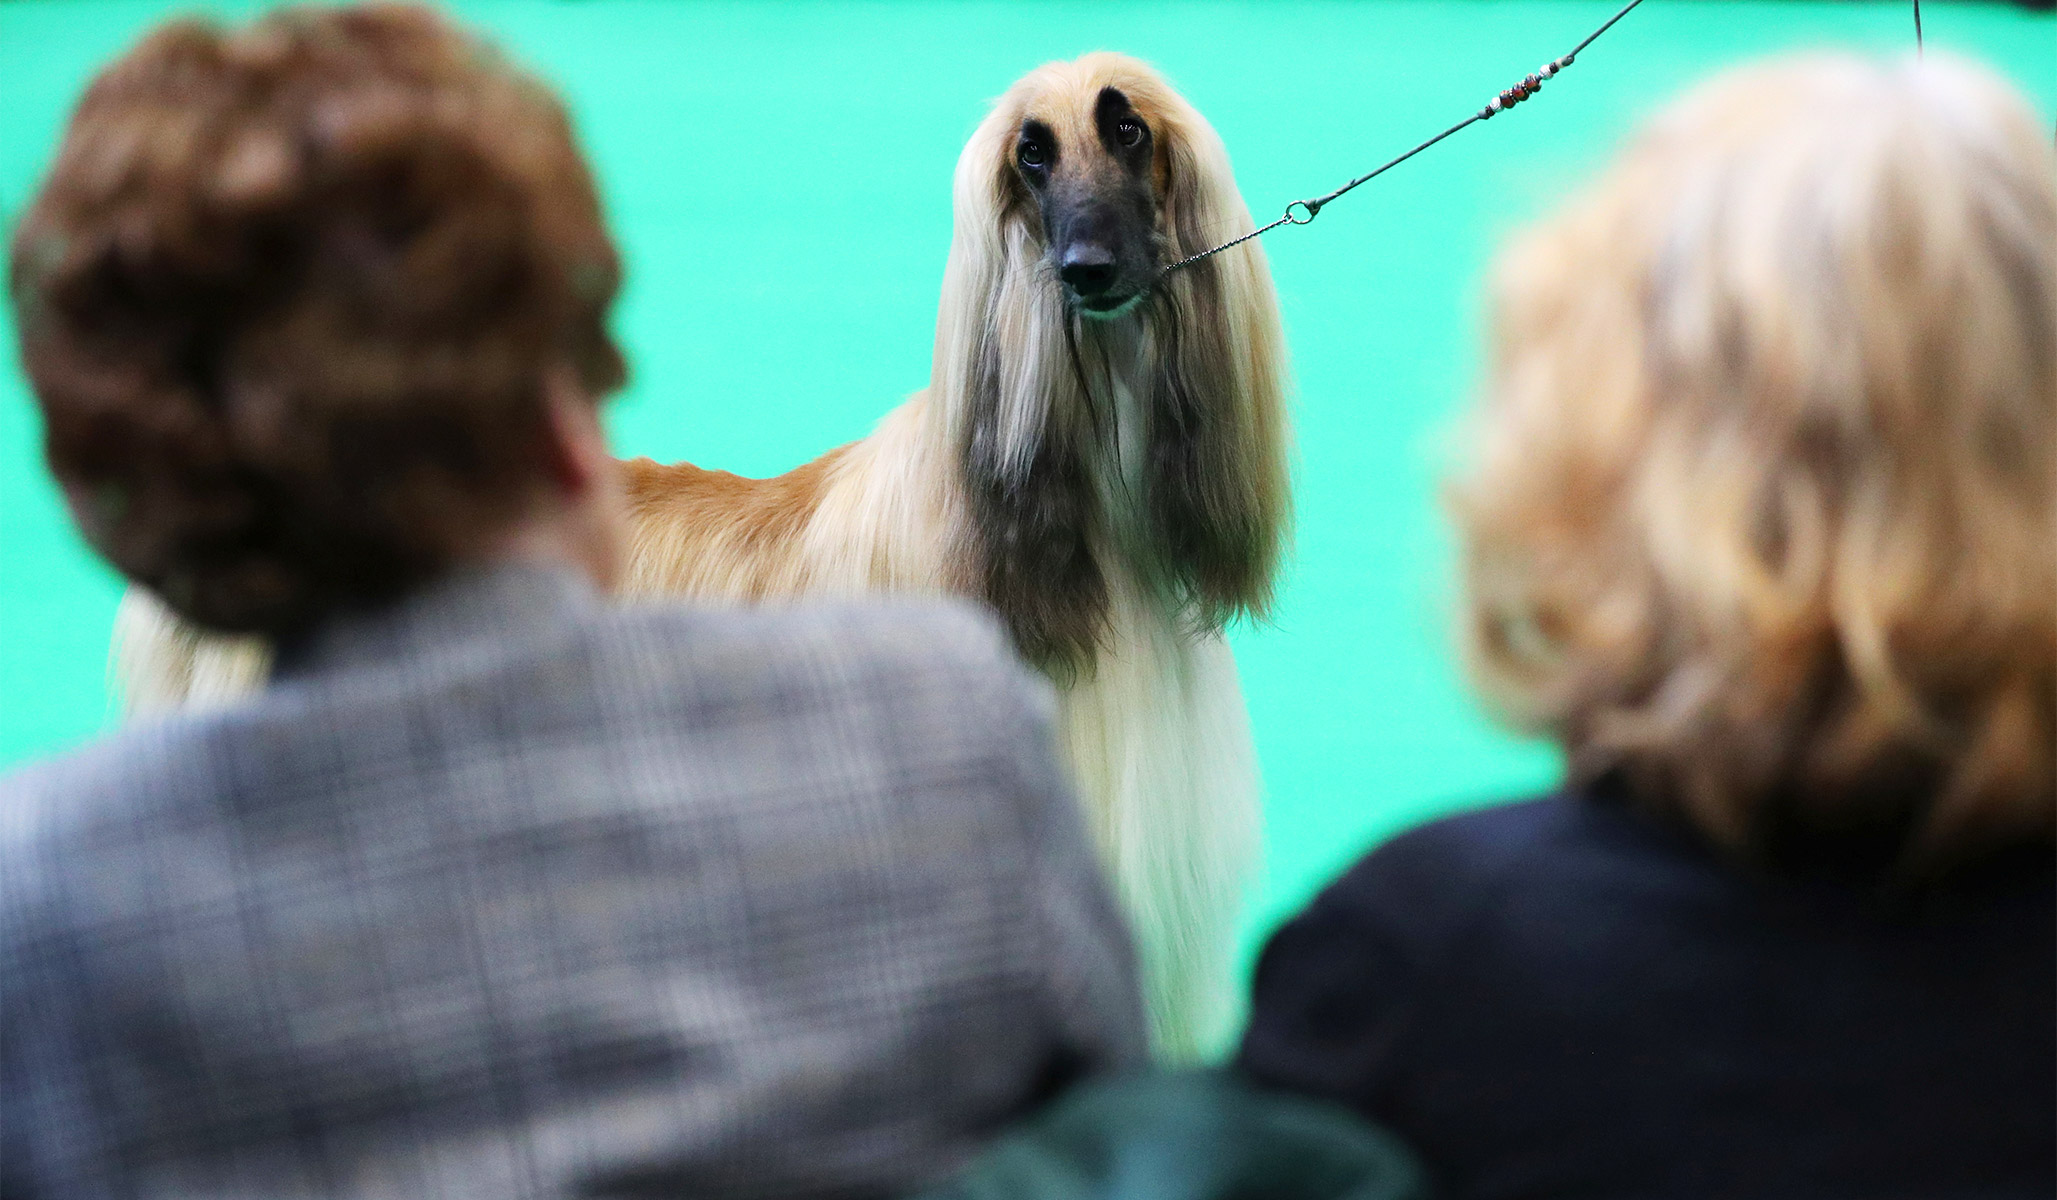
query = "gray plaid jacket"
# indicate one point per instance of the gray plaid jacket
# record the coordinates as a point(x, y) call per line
point(509, 893)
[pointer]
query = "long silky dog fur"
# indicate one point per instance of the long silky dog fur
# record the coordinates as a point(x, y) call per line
point(1115, 489)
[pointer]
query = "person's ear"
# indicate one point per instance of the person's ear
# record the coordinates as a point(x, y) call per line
point(592, 507)
point(577, 457)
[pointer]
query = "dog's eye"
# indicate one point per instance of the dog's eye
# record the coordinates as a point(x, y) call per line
point(1031, 153)
point(1129, 132)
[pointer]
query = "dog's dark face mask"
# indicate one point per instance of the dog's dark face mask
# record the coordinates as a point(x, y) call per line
point(1096, 193)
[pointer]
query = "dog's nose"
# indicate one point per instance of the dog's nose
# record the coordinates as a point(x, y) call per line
point(1087, 269)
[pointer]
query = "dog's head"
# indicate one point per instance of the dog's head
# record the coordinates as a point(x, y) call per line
point(1085, 182)
point(1104, 166)
point(1088, 159)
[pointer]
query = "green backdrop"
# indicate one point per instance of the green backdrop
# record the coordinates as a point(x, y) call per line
point(778, 174)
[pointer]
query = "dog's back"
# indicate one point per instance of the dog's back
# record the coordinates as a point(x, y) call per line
point(713, 534)
point(160, 663)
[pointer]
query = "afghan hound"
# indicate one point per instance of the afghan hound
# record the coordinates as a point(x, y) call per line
point(1100, 457)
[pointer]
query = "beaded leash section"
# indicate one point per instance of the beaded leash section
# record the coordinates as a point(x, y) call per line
point(1300, 212)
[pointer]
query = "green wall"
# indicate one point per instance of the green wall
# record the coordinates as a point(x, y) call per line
point(779, 176)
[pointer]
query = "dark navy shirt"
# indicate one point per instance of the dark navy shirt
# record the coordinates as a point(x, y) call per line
point(1565, 998)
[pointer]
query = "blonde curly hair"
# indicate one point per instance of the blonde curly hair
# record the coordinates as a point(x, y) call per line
point(1760, 514)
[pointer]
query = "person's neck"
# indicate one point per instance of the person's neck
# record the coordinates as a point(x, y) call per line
point(560, 540)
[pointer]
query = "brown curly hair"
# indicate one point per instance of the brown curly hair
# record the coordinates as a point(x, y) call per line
point(292, 298)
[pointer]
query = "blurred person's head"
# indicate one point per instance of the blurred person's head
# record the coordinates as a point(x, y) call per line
point(1761, 518)
point(316, 311)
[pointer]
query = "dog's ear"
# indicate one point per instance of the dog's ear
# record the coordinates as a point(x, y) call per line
point(1017, 415)
point(1218, 492)
point(1032, 521)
